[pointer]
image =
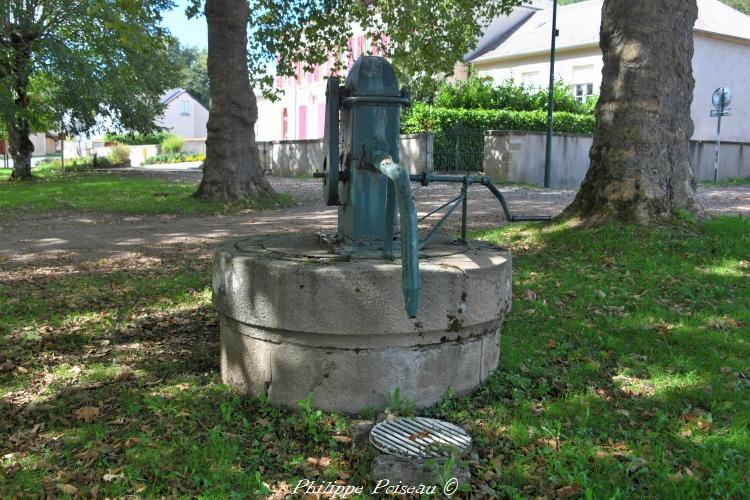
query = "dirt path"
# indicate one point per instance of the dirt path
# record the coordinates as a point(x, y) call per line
point(92, 236)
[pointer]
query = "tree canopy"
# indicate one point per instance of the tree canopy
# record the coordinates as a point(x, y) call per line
point(192, 63)
point(422, 38)
point(78, 65)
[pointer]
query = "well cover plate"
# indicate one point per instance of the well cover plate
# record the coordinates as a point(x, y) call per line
point(420, 437)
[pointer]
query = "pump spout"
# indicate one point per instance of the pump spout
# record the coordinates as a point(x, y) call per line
point(399, 192)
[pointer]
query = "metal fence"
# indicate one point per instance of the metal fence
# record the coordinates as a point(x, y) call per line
point(459, 149)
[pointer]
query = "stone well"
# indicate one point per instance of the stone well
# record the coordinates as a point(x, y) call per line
point(298, 319)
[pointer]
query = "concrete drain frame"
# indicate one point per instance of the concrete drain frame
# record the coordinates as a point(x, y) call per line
point(420, 437)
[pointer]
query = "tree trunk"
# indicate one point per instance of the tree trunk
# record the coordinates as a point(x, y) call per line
point(21, 148)
point(639, 167)
point(232, 169)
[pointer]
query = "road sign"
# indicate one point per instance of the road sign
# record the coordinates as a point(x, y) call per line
point(721, 99)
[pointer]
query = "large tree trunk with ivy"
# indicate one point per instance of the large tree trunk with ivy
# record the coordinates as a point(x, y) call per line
point(639, 167)
point(232, 169)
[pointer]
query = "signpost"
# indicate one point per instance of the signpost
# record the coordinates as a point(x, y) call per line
point(721, 100)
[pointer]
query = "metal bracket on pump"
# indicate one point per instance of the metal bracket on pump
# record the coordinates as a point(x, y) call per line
point(331, 159)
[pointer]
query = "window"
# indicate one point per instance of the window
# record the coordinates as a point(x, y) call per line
point(582, 91)
point(302, 113)
point(185, 108)
point(583, 88)
point(284, 124)
point(321, 119)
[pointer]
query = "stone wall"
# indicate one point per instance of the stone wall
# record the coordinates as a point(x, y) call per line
point(303, 157)
point(511, 156)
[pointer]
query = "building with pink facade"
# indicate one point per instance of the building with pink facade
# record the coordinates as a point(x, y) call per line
point(300, 112)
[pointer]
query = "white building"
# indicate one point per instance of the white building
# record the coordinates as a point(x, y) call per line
point(183, 115)
point(722, 58)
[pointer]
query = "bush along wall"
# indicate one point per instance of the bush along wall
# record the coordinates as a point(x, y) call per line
point(459, 133)
point(423, 118)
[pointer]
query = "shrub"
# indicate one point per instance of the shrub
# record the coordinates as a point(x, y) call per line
point(483, 93)
point(136, 138)
point(174, 158)
point(119, 154)
point(171, 144)
point(590, 105)
point(423, 118)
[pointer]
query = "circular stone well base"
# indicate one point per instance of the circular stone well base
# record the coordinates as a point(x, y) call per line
point(297, 320)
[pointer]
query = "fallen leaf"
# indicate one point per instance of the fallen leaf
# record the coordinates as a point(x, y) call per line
point(319, 461)
point(87, 413)
point(67, 488)
point(131, 441)
point(342, 439)
point(569, 491)
point(124, 376)
point(419, 435)
point(623, 412)
point(112, 477)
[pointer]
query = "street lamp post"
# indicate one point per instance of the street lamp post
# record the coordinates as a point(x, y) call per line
point(551, 98)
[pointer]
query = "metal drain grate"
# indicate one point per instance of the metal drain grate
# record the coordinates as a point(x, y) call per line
point(420, 437)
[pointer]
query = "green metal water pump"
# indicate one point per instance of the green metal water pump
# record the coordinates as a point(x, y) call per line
point(361, 168)
point(362, 175)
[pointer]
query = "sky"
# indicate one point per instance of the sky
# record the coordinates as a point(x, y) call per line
point(191, 32)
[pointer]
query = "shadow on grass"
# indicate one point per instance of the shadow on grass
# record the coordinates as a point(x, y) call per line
point(623, 373)
point(624, 364)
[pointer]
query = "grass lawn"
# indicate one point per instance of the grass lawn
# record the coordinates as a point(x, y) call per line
point(114, 193)
point(625, 372)
point(733, 181)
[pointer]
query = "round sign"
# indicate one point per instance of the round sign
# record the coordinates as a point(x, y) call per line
point(722, 97)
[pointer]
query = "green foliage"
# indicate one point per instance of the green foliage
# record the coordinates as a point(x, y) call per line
point(588, 107)
point(52, 167)
point(422, 38)
point(483, 93)
point(82, 189)
point(423, 118)
point(310, 418)
point(137, 138)
point(193, 71)
point(82, 63)
point(398, 405)
point(741, 5)
point(171, 144)
point(174, 158)
point(732, 181)
point(119, 154)
point(641, 394)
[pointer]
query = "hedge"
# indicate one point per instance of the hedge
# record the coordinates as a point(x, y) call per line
point(137, 139)
point(423, 118)
point(484, 93)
